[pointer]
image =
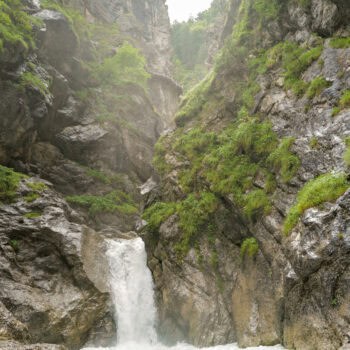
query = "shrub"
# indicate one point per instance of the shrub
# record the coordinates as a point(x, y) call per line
point(32, 80)
point(283, 161)
point(336, 111)
point(194, 101)
point(116, 201)
point(250, 247)
point(32, 215)
point(14, 245)
point(314, 142)
point(37, 186)
point(344, 101)
point(267, 9)
point(194, 212)
point(98, 175)
point(304, 3)
point(340, 43)
point(257, 204)
point(9, 182)
point(158, 213)
point(347, 152)
point(16, 26)
point(295, 60)
point(31, 197)
point(316, 87)
point(126, 66)
point(325, 188)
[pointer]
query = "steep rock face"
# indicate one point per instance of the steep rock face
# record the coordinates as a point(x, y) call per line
point(147, 23)
point(292, 289)
point(54, 125)
point(46, 295)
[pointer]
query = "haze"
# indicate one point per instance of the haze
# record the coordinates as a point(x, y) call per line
point(182, 10)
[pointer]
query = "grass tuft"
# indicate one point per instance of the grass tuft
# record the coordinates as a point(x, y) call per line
point(325, 188)
point(249, 247)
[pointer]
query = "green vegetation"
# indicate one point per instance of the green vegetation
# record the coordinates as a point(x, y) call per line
point(257, 204)
point(77, 21)
point(194, 101)
point(33, 80)
point(31, 197)
point(340, 236)
point(16, 26)
point(325, 188)
point(340, 43)
point(9, 182)
point(194, 214)
point(336, 111)
point(314, 142)
point(126, 66)
point(305, 3)
point(32, 215)
point(37, 186)
point(157, 214)
point(243, 160)
point(189, 40)
point(347, 152)
point(99, 175)
point(295, 60)
point(115, 201)
point(114, 179)
point(37, 189)
point(283, 161)
point(249, 247)
point(316, 87)
point(227, 165)
point(14, 245)
point(344, 102)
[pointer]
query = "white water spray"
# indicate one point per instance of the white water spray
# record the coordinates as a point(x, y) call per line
point(132, 291)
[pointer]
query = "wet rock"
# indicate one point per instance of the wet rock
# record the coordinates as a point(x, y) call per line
point(57, 41)
point(11, 345)
point(44, 273)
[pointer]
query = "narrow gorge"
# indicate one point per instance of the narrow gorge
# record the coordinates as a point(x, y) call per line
point(164, 185)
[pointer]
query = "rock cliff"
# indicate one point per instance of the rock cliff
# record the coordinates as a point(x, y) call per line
point(75, 131)
point(248, 231)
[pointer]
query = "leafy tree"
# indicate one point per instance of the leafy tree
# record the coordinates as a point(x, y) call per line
point(126, 66)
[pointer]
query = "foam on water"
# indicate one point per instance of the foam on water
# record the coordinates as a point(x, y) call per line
point(132, 292)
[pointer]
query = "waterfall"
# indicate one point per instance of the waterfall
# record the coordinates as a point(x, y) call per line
point(132, 292)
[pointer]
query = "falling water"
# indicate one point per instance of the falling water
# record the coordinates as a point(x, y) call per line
point(132, 291)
